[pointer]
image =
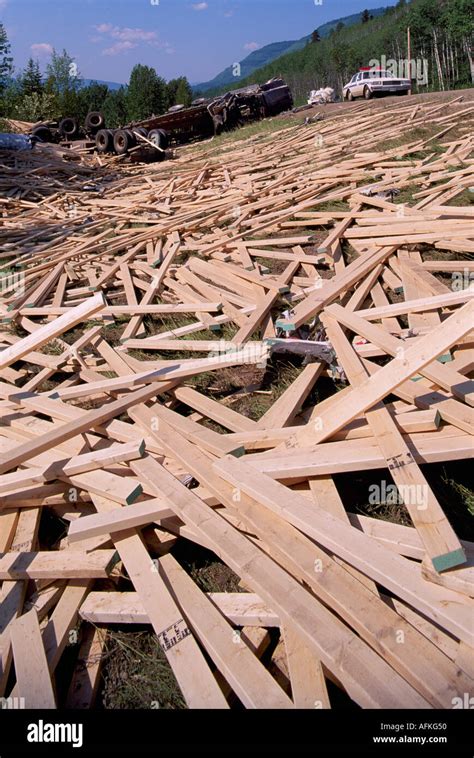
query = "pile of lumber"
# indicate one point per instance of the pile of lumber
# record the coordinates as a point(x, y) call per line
point(117, 297)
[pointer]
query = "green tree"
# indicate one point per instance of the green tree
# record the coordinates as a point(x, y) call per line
point(115, 108)
point(31, 81)
point(63, 81)
point(37, 106)
point(315, 36)
point(184, 93)
point(178, 92)
point(92, 98)
point(146, 94)
point(365, 16)
point(6, 61)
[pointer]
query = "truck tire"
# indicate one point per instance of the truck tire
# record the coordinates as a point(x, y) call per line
point(68, 128)
point(367, 93)
point(123, 141)
point(42, 133)
point(159, 138)
point(94, 121)
point(141, 130)
point(104, 141)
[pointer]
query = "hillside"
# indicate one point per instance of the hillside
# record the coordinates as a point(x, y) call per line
point(440, 34)
point(111, 85)
point(248, 65)
point(269, 53)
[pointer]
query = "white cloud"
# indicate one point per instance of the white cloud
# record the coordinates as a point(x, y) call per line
point(251, 46)
point(104, 28)
point(127, 39)
point(199, 6)
point(41, 48)
point(132, 34)
point(119, 47)
point(125, 33)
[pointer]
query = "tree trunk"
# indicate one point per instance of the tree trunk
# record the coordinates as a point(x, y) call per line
point(467, 49)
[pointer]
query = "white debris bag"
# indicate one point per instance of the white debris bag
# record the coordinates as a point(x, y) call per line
point(321, 96)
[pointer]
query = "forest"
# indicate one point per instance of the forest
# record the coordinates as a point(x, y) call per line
point(441, 36)
point(31, 95)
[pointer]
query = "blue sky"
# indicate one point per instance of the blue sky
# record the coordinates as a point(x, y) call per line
point(193, 38)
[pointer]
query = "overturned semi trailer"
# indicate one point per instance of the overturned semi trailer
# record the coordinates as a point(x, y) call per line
point(204, 118)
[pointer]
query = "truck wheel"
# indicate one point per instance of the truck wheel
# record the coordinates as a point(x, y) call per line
point(143, 132)
point(42, 133)
point(94, 121)
point(69, 128)
point(367, 93)
point(159, 138)
point(104, 141)
point(123, 141)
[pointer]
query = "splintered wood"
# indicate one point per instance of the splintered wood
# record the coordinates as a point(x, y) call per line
point(146, 311)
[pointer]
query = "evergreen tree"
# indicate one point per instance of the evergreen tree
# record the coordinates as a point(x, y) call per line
point(184, 93)
point(365, 16)
point(63, 81)
point(146, 94)
point(115, 108)
point(315, 36)
point(6, 61)
point(92, 98)
point(31, 79)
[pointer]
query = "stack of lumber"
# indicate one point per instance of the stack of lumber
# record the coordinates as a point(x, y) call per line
point(293, 242)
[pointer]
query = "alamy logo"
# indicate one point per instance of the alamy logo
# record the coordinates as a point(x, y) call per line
point(41, 732)
point(391, 494)
point(12, 703)
point(413, 68)
point(463, 702)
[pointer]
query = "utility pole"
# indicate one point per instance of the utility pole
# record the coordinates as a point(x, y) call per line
point(409, 57)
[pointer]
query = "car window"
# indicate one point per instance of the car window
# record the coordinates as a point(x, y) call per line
point(353, 79)
point(358, 77)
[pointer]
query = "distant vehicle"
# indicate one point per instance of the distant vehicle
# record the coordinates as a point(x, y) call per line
point(369, 82)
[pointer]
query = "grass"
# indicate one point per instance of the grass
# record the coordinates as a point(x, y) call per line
point(406, 195)
point(411, 135)
point(256, 129)
point(136, 674)
point(465, 493)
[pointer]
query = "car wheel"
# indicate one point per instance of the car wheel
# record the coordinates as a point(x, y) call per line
point(367, 93)
point(349, 96)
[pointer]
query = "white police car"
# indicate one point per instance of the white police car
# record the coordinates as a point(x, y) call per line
point(373, 81)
